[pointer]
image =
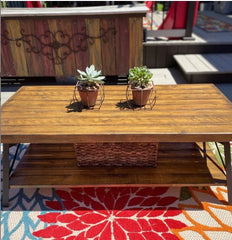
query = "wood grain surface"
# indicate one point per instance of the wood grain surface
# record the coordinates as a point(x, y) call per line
point(55, 165)
point(182, 113)
point(58, 46)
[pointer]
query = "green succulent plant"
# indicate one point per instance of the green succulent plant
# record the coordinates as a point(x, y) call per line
point(90, 78)
point(139, 77)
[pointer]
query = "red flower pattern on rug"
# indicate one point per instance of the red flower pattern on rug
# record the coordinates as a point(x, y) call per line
point(112, 213)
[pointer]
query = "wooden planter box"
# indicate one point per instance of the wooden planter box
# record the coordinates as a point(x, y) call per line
point(57, 41)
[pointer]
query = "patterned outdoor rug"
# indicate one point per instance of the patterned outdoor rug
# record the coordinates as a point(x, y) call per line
point(210, 24)
point(138, 213)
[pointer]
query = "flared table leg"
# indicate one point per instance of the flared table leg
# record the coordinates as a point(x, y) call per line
point(6, 164)
point(228, 170)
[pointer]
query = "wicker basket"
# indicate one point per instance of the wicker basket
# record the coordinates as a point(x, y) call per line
point(117, 154)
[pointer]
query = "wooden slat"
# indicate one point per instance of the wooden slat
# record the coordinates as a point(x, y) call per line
point(32, 59)
point(108, 47)
point(179, 164)
point(52, 22)
point(112, 104)
point(80, 43)
point(106, 129)
point(116, 121)
point(52, 96)
point(42, 29)
point(68, 58)
point(60, 93)
point(94, 44)
point(108, 114)
point(52, 93)
point(135, 41)
point(122, 44)
point(19, 58)
point(7, 66)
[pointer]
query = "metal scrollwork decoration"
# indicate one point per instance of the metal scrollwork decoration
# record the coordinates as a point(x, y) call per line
point(56, 46)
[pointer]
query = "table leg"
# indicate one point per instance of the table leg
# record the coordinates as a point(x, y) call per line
point(228, 170)
point(5, 184)
point(204, 151)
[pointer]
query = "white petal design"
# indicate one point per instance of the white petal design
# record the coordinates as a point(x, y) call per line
point(203, 218)
point(33, 215)
point(219, 235)
point(41, 225)
point(19, 233)
point(191, 235)
point(15, 225)
point(223, 215)
point(2, 228)
point(27, 238)
point(14, 219)
point(220, 190)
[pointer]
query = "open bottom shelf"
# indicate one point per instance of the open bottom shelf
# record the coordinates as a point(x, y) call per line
point(55, 165)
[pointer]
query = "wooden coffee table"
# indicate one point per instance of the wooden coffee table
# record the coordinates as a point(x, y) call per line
point(183, 117)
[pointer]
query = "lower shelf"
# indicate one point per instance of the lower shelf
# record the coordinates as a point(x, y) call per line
point(55, 165)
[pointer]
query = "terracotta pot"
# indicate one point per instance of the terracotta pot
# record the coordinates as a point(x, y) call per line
point(88, 97)
point(141, 96)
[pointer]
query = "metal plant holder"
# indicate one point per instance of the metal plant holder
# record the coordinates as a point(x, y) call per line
point(100, 98)
point(150, 103)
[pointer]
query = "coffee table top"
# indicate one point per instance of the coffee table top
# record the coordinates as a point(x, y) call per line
point(182, 113)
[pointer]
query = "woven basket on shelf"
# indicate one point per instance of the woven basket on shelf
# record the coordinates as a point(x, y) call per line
point(116, 154)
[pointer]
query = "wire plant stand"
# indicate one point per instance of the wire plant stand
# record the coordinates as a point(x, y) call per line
point(99, 102)
point(148, 106)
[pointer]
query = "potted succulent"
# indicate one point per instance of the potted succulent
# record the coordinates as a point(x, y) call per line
point(141, 84)
point(88, 84)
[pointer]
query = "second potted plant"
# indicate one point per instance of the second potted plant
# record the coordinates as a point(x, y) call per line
point(141, 84)
point(88, 85)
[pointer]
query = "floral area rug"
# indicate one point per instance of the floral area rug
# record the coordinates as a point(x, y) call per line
point(210, 24)
point(130, 213)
